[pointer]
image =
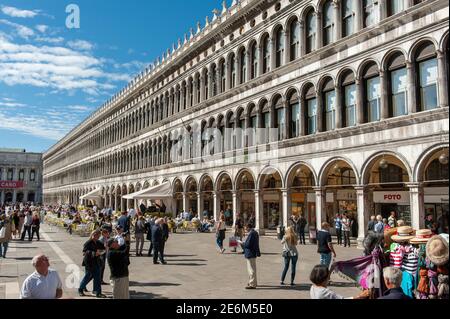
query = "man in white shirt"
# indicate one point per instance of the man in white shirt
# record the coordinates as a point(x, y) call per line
point(44, 283)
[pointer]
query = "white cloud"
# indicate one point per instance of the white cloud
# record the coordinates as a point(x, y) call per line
point(22, 31)
point(12, 104)
point(55, 68)
point(56, 40)
point(42, 28)
point(80, 108)
point(18, 13)
point(37, 125)
point(80, 45)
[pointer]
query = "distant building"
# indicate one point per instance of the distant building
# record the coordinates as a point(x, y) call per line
point(20, 176)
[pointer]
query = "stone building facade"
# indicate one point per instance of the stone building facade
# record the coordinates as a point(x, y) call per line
point(20, 176)
point(348, 101)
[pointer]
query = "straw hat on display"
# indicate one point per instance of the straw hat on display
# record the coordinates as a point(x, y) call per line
point(405, 233)
point(437, 250)
point(388, 233)
point(422, 237)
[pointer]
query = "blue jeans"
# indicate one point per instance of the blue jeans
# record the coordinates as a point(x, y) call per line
point(3, 249)
point(287, 261)
point(95, 274)
point(219, 242)
point(325, 259)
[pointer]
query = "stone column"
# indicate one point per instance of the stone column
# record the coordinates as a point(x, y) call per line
point(409, 3)
point(384, 102)
point(287, 47)
point(287, 119)
point(199, 204)
point(442, 80)
point(359, 16)
point(337, 25)
point(188, 95)
point(234, 194)
point(2, 197)
point(412, 100)
point(259, 216)
point(363, 212)
point(273, 51)
point(227, 75)
point(185, 202)
point(248, 57)
point(383, 11)
point(302, 37)
point(285, 205)
point(319, 30)
point(338, 106)
point(14, 196)
point(320, 113)
point(359, 101)
point(216, 205)
point(417, 205)
point(320, 206)
point(218, 79)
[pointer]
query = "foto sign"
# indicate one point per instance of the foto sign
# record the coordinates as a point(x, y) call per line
point(11, 184)
point(391, 197)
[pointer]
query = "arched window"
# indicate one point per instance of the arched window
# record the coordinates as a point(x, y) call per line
point(233, 71)
point(254, 59)
point(214, 80)
point(436, 171)
point(372, 93)
point(395, 6)
point(198, 88)
point(253, 125)
point(371, 10)
point(265, 121)
point(294, 40)
point(223, 76)
point(32, 175)
point(184, 89)
point(279, 45)
point(206, 85)
point(310, 31)
point(294, 109)
point(328, 23)
point(397, 85)
point(191, 92)
point(391, 174)
point(243, 64)
point(310, 101)
point(329, 105)
point(348, 17)
point(427, 76)
point(349, 99)
point(266, 54)
point(280, 118)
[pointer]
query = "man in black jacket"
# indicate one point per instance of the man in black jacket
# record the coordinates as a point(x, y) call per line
point(251, 252)
point(118, 262)
point(393, 280)
point(158, 242)
point(92, 262)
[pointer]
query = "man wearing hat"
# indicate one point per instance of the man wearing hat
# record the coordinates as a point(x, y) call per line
point(118, 263)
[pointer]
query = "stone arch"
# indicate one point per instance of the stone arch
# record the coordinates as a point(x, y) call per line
point(269, 170)
point(323, 173)
point(240, 174)
point(417, 44)
point(370, 162)
point(293, 168)
point(424, 160)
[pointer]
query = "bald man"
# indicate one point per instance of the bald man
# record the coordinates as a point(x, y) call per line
point(44, 283)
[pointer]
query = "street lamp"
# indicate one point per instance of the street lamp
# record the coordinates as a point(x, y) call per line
point(383, 164)
point(443, 159)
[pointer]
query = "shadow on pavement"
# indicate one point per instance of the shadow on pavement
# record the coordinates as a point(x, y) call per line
point(151, 284)
point(184, 264)
point(177, 260)
point(22, 258)
point(144, 295)
point(302, 287)
point(168, 255)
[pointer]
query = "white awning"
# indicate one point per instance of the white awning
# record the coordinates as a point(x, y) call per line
point(157, 192)
point(94, 195)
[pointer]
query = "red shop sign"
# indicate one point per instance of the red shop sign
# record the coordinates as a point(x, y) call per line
point(11, 184)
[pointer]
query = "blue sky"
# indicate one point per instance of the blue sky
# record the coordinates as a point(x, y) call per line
point(52, 77)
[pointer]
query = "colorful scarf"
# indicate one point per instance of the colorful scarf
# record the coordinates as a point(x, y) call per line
point(366, 271)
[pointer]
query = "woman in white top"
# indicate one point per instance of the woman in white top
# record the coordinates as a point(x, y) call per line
point(320, 277)
point(220, 233)
point(290, 254)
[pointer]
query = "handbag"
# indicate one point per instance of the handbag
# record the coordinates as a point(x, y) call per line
point(233, 242)
point(286, 254)
point(3, 232)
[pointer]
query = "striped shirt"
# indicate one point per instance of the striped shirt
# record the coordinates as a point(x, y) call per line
point(411, 260)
